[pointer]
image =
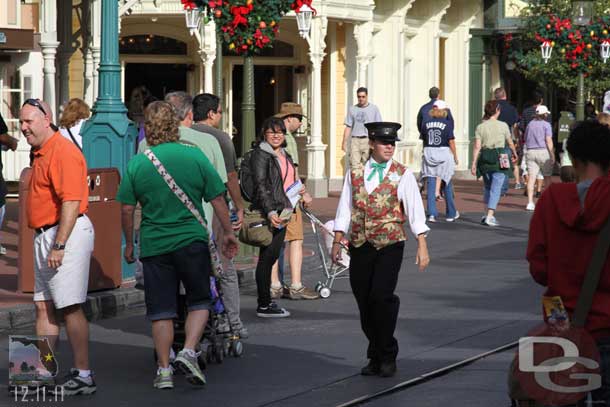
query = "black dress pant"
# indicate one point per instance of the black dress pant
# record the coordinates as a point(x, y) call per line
point(266, 259)
point(373, 275)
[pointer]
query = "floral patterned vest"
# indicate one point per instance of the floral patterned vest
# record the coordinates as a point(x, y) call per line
point(377, 217)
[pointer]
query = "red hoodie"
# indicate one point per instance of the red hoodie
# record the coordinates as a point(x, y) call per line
point(562, 237)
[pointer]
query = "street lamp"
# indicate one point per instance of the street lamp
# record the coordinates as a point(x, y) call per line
point(583, 14)
point(605, 50)
point(547, 50)
point(304, 17)
point(192, 16)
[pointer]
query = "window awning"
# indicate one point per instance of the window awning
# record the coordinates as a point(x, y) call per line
point(16, 39)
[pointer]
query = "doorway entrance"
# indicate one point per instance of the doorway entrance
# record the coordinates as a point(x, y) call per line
point(159, 79)
point(273, 85)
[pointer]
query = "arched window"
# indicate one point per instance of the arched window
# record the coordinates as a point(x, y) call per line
point(151, 45)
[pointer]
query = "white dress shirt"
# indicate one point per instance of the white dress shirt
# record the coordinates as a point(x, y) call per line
point(408, 194)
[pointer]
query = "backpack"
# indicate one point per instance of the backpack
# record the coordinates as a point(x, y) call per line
point(246, 180)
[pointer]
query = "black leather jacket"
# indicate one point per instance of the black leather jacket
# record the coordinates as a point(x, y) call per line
point(269, 193)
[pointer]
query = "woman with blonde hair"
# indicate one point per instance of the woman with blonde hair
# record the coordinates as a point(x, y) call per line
point(75, 113)
point(170, 180)
point(439, 159)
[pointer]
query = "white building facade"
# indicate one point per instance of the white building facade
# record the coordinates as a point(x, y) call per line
point(398, 49)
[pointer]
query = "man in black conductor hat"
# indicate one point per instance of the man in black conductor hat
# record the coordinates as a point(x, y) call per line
point(377, 199)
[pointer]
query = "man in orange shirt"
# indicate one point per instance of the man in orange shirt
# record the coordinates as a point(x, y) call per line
point(56, 206)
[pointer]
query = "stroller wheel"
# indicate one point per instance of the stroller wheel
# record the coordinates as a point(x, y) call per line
point(237, 348)
point(324, 292)
point(318, 286)
point(210, 356)
point(201, 360)
point(219, 354)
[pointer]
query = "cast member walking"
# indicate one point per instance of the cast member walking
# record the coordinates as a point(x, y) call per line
point(377, 199)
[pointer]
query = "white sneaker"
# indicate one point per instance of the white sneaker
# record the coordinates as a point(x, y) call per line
point(432, 219)
point(530, 206)
point(456, 217)
point(491, 221)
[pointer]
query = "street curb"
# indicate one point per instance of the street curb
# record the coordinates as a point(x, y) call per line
point(104, 304)
point(99, 305)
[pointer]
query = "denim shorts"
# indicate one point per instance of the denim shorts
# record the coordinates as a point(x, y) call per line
point(163, 274)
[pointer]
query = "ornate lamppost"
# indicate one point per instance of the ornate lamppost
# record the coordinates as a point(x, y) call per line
point(583, 13)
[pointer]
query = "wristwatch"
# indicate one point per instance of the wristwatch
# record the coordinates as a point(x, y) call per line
point(59, 246)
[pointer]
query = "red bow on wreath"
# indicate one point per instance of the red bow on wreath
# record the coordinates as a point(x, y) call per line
point(239, 13)
point(261, 40)
point(297, 4)
point(189, 4)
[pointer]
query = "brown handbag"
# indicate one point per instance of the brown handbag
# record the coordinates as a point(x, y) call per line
point(517, 394)
point(255, 229)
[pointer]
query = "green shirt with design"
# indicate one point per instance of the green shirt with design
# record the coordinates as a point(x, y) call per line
point(167, 224)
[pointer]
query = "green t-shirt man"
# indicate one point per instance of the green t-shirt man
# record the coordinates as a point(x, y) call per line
point(167, 225)
point(292, 148)
point(211, 148)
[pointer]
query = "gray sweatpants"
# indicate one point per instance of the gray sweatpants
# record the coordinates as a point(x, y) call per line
point(229, 282)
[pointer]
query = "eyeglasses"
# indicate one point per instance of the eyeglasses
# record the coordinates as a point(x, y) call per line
point(272, 133)
point(35, 103)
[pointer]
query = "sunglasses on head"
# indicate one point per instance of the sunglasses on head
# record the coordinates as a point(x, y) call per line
point(35, 103)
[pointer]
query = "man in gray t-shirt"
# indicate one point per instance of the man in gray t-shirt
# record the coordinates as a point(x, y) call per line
point(357, 116)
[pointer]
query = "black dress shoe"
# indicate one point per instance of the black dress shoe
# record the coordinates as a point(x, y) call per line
point(372, 369)
point(387, 369)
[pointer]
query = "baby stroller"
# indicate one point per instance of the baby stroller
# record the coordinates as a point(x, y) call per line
point(218, 338)
point(324, 236)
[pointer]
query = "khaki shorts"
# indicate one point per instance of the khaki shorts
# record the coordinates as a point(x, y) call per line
point(539, 160)
point(294, 230)
point(68, 284)
point(359, 151)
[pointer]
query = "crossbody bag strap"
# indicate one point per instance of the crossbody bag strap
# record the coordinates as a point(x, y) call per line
point(594, 270)
point(73, 139)
point(183, 197)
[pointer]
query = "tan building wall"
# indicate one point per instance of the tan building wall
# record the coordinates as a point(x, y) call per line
point(340, 99)
point(77, 68)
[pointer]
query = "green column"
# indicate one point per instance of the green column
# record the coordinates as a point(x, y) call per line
point(218, 88)
point(580, 98)
point(477, 90)
point(248, 129)
point(109, 136)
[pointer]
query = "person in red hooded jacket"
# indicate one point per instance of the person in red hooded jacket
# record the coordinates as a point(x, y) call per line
point(564, 231)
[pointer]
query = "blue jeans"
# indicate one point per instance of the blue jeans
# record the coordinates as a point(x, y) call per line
point(493, 188)
point(450, 211)
point(506, 178)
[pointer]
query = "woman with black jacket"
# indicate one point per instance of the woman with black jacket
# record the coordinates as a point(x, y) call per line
point(272, 173)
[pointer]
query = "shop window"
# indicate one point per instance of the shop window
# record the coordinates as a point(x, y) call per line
point(151, 45)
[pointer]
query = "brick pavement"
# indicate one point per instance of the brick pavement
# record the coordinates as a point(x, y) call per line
point(468, 199)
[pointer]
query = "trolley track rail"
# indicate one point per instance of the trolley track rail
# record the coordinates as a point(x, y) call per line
point(426, 377)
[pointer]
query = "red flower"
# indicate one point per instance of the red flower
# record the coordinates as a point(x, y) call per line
point(188, 4)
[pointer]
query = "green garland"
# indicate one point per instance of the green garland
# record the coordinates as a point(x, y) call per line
point(247, 26)
point(575, 49)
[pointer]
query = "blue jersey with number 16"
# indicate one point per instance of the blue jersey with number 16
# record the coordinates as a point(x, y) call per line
point(437, 132)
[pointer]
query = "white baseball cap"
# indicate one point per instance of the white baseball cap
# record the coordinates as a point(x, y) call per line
point(440, 104)
point(542, 109)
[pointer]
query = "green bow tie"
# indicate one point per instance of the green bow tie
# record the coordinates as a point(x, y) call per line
point(377, 168)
